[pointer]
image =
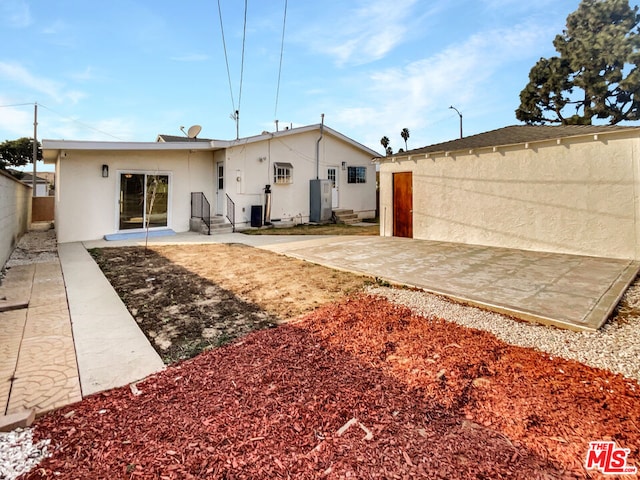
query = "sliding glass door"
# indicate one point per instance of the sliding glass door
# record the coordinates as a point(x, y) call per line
point(144, 200)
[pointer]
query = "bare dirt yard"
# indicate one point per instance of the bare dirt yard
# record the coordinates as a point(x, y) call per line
point(192, 297)
point(355, 387)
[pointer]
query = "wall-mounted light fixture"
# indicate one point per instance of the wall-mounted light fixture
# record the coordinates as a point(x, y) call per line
point(344, 165)
point(105, 171)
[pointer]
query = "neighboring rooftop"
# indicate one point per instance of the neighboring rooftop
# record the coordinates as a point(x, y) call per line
point(27, 177)
point(180, 138)
point(516, 134)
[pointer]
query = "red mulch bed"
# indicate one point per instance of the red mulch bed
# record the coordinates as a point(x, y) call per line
point(433, 400)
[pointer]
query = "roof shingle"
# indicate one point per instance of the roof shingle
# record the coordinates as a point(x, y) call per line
point(516, 134)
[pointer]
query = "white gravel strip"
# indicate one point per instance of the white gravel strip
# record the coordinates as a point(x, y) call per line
point(615, 347)
point(18, 454)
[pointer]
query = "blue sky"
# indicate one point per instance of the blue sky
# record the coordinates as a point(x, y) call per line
point(129, 70)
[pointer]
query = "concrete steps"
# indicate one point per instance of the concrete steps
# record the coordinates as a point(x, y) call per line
point(219, 225)
point(346, 216)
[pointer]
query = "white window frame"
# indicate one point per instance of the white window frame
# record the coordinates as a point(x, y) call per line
point(146, 173)
point(357, 178)
point(282, 173)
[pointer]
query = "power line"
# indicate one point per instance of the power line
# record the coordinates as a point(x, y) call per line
point(63, 117)
point(226, 58)
point(17, 105)
point(284, 22)
point(244, 37)
point(80, 123)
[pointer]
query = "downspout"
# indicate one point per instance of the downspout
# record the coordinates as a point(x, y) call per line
point(318, 147)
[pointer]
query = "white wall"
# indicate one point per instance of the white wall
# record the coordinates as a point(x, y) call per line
point(42, 190)
point(86, 203)
point(253, 164)
point(15, 213)
point(578, 197)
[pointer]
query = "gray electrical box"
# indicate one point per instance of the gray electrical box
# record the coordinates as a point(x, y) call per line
point(320, 201)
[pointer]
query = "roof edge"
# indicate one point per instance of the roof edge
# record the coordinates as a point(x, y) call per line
point(427, 150)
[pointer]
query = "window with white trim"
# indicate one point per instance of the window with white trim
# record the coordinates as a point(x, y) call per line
point(356, 174)
point(282, 173)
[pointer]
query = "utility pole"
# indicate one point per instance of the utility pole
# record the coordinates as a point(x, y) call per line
point(237, 124)
point(35, 145)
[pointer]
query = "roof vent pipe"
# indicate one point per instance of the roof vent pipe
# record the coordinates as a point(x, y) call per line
point(318, 147)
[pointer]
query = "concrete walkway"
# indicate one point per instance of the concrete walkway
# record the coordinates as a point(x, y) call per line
point(37, 358)
point(110, 347)
point(65, 335)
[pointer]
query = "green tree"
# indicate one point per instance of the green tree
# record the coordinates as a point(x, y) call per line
point(596, 74)
point(405, 136)
point(16, 153)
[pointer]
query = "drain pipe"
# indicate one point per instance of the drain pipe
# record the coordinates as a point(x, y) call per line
point(318, 147)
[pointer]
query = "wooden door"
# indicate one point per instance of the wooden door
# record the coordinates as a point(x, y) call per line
point(403, 204)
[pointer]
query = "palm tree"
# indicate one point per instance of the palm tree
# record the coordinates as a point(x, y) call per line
point(405, 136)
point(385, 143)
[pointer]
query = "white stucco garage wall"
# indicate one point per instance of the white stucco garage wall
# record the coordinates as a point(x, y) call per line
point(578, 196)
point(86, 204)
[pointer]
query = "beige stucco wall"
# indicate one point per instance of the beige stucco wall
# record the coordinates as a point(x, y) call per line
point(87, 204)
point(252, 163)
point(15, 213)
point(580, 196)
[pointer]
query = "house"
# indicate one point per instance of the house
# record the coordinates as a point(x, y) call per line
point(104, 188)
point(43, 181)
point(565, 189)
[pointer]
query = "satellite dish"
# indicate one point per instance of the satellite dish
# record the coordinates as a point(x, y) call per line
point(194, 131)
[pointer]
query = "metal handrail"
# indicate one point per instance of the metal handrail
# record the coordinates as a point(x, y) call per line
point(201, 208)
point(231, 212)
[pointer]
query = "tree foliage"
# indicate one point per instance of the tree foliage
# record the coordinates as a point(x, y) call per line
point(596, 74)
point(16, 153)
point(384, 141)
point(405, 136)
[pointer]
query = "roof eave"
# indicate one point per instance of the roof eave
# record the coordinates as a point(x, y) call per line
point(51, 148)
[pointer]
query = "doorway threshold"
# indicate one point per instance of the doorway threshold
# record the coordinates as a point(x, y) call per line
point(138, 235)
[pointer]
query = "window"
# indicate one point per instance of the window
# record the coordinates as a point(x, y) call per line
point(331, 175)
point(144, 200)
point(356, 174)
point(220, 177)
point(282, 173)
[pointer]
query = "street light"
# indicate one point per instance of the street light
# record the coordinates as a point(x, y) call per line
point(460, 115)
